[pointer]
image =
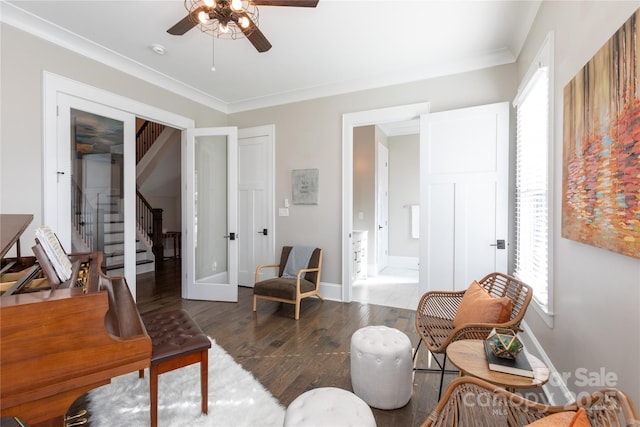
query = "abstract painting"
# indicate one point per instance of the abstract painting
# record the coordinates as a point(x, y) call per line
point(601, 148)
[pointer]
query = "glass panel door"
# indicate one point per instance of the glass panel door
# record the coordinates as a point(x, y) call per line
point(96, 184)
point(211, 233)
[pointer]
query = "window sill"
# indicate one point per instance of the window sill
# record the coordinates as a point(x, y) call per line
point(546, 315)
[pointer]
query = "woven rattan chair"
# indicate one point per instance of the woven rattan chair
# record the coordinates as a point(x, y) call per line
point(470, 402)
point(288, 289)
point(437, 309)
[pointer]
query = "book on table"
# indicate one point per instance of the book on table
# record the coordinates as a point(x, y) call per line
point(518, 366)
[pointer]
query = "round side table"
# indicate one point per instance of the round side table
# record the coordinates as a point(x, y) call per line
point(469, 356)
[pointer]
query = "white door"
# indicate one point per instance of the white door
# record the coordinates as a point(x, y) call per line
point(465, 196)
point(210, 258)
point(95, 176)
point(255, 201)
point(382, 209)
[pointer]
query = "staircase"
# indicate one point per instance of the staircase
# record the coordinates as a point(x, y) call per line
point(113, 248)
point(99, 222)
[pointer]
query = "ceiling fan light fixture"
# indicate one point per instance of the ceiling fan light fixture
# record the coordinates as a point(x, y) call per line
point(227, 19)
point(236, 5)
point(203, 17)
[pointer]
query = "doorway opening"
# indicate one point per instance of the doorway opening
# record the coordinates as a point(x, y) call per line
point(399, 116)
point(386, 193)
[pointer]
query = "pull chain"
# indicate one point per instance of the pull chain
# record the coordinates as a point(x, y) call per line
point(213, 52)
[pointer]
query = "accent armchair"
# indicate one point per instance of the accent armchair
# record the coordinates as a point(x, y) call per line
point(297, 278)
point(436, 321)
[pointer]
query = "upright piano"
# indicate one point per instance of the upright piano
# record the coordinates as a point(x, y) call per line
point(59, 342)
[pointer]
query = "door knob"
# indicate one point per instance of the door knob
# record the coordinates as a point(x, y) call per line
point(264, 231)
point(231, 236)
point(500, 244)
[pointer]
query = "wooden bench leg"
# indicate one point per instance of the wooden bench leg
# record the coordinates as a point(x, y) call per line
point(204, 380)
point(153, 394)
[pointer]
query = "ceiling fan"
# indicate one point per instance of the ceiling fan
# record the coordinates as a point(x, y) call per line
point(231, 17)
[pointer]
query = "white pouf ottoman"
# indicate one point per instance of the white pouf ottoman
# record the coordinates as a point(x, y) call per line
point(381, 366)
point(328, 407)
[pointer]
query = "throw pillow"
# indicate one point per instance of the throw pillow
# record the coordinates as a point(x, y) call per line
point(561, 419)
point(564, 419)
point(477, 306)
point(580, 419)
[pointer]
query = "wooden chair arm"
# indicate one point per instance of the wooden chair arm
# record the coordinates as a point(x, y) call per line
point(260, 267)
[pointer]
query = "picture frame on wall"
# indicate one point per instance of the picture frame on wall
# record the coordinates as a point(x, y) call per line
point(305, 186)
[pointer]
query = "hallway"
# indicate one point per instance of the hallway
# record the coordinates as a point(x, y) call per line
point(393, 287)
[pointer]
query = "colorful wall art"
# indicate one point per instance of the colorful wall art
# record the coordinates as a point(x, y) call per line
point(601, 148)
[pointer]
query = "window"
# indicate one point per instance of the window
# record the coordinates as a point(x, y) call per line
point(533, 148)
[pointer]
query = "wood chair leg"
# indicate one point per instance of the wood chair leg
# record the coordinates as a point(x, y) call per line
point(141, 373)
point(297, 312)
point(153, 393)
point(204, 380)
point(255, 301)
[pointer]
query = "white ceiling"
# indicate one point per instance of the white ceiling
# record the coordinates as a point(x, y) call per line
point(340, 46)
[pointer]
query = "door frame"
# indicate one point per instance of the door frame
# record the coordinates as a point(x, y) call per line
point(350, 121)
point(53, 85)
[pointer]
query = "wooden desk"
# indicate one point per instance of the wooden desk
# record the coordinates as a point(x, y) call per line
point(470, 358)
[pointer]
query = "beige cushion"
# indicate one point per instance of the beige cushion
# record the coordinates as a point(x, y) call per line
point(477, 306)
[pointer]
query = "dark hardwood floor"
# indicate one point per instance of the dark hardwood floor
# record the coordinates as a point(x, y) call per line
point(287, 356)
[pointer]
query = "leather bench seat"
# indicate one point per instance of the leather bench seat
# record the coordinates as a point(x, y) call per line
point(174, 334)
point(176, 341)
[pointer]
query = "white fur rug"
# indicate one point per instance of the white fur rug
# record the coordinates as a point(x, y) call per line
point(235, 398)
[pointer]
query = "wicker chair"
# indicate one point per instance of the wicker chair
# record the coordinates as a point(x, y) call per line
point(437, 309)
point(469, 402)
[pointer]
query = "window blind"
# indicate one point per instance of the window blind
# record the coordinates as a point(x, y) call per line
point(532, 149)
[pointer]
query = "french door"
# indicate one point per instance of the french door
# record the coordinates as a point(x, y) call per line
point(210, 235)
point(95, 183)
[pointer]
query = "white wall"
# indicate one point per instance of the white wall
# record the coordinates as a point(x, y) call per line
point(364, 180)
point(597, 293)
point(309, 135)
point(404, 191)
point(23, 60)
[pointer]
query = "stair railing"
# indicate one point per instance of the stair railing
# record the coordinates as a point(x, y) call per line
point(85, 219)
point(146, 136)
point(150, 223)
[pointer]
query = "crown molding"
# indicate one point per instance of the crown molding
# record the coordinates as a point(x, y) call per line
point(16, 17)
point(25, 21)
point(486, 60)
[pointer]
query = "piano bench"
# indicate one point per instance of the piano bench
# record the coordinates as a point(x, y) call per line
point(176, 341)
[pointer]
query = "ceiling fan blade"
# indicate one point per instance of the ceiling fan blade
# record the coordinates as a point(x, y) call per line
point(185, 24)
point(295, 3)
point(255, 36)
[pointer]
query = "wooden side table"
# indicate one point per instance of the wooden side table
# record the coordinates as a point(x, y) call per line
point(176, 236)
point(469, 357)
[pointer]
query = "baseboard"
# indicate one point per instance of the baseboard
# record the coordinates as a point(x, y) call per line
point(331, 291)
point(555, 390)
point(404, 262)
